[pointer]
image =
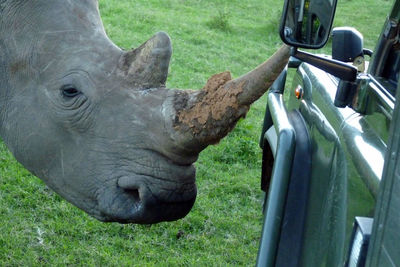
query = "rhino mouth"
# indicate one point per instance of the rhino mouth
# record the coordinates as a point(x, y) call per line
point(148, 199)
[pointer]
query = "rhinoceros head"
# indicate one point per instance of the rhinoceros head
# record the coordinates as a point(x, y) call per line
point(97, 124)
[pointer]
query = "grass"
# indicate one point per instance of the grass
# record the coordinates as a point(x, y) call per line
point(220, 21)
point(39, 228)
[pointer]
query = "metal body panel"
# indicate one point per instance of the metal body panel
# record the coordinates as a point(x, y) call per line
point(352, 172)
point(279, 181)
point(384, 245)
point(347, 161)
point(288, 183)
point(291, 240)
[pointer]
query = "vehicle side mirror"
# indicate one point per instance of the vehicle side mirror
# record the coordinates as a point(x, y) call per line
point(307, 23)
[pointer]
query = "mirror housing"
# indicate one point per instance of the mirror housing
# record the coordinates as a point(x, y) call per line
point(307, 23)
point(347, 44)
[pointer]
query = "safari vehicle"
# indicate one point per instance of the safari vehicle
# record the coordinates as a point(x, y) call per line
point(331, 146)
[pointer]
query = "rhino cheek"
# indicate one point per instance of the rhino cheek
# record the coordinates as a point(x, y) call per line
point(49, 152)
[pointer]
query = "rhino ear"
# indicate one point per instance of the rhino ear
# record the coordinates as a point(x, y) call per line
point(147, 65)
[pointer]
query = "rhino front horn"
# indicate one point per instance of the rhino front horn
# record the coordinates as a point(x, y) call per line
point(148, 64)
point(206, 116)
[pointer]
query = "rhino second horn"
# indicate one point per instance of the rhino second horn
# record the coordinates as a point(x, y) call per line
point(204, 117)
point(147, 65)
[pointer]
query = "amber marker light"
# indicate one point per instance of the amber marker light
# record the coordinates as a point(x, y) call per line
point(298, 92)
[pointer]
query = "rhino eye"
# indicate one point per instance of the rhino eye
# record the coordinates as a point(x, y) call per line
point(70, 91)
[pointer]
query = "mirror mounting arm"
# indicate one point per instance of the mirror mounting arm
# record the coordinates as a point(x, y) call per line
point(337, 68)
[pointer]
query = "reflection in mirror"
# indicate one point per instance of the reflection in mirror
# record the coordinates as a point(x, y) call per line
point(307, 23)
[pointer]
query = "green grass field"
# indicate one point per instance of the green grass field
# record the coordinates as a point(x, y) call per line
point(39, 228)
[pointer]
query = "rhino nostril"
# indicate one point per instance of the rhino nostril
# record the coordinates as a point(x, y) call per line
point(133, 193)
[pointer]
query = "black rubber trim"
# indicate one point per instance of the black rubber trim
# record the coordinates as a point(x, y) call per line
point(293, 225)
point(267, 166)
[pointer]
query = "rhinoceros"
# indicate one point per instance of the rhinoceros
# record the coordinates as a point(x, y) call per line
point(97, 123)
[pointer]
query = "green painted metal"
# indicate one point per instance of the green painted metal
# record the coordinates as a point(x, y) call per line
point(395, 13)
point(384, 249)
point(349, 151)
point(337, 191)
point(345, 178)
point(279, 182)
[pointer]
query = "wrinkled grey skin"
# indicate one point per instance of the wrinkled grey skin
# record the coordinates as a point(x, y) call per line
point(94, 122)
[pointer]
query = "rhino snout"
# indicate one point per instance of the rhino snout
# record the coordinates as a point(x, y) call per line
point(153, 204)
point(148, 199)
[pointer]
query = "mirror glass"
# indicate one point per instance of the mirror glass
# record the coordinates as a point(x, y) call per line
point(307, 23)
